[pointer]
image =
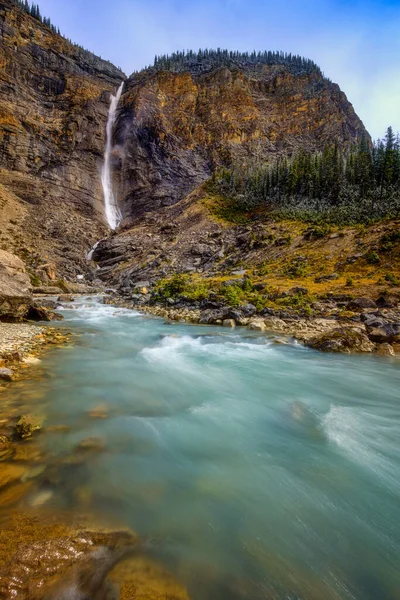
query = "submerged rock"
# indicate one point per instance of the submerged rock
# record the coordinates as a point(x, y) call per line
point(14, 493)
point(140, 577)
point(5, 447)
point(10, 473)
point(41, 497)
point(91, 444)
point(52, 561)
point(48, 560)
point(99, 412)
point(27, 425)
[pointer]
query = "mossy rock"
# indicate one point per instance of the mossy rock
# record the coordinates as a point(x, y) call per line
point(342, 339)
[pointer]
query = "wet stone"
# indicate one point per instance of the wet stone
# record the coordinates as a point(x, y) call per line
point(5, 374)
point(10, 473)
point(14, 494)
point(92, 444)
point(6, 449)
point(27, 425)
point(99, 412)
point(384, 350)
point(40, 498)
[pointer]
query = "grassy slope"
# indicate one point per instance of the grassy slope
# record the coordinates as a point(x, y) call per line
point(288, 254)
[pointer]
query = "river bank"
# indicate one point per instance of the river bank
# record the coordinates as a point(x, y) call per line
point(372, 329)
point(22, 345)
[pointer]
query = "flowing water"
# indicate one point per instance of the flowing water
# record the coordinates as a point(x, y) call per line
point(111, 209)
point(263, 471)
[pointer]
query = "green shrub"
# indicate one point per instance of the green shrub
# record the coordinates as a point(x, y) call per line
point(300, 302)
point(372, 257)
point(196, 291)
point(297, 267)
point(263, 270)
point(182, 285)
point(389, 240)
point(318, 232)
point(62, 285)
point(35, 280)
point(172, 287)
point(247, 285)
point(392, 279)
point(233, 294)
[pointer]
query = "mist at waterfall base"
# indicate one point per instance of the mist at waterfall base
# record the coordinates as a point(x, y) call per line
point(262, 471)
point(111, 210)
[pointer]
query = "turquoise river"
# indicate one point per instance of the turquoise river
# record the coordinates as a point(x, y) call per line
point(264, 471)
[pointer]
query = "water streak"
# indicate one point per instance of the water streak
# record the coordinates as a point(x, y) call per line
point(111, 209)
point(91, 252)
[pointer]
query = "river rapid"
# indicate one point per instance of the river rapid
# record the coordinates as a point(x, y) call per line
point(261, 471)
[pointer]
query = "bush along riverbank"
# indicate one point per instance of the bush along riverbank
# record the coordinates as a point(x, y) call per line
point(328, 322)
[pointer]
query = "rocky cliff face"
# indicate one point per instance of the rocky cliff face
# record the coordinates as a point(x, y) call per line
point(175, 128)
point(54, 100)
point(15, 298)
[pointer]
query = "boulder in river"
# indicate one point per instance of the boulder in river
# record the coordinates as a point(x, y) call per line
point(342, 339)
point(66, 298)
point(40, 313)
point(257, 325)
point(385, 350)
point(229, 323)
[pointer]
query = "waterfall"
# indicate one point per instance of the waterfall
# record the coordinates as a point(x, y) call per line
point(112, 212)
point(90, 254)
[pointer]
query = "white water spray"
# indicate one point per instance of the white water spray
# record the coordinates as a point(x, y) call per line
point(112, 212)
point(90, 254)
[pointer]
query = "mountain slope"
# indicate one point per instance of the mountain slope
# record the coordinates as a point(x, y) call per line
point(178, 122)
point(54, 99)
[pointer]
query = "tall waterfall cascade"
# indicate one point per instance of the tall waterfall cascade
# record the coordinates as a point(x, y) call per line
point(111, 209)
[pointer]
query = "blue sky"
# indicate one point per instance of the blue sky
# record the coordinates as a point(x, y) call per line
point(356, 43)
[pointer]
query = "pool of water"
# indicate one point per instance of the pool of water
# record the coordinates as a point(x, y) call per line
point(260, 470)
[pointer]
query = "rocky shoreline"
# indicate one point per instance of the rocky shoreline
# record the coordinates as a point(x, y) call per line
point(21, 345)
point(370, 329)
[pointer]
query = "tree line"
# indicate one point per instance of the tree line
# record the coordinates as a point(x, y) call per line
point(34, 11)
point(358, 186)
point(204, 60)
